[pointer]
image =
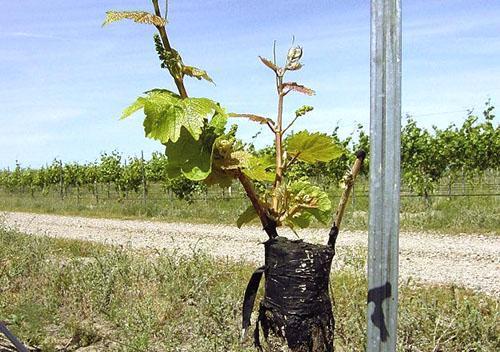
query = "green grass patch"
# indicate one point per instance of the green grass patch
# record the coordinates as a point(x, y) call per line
point(57, 293)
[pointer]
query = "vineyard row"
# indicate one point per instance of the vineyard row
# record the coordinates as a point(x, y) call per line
point(430, 160)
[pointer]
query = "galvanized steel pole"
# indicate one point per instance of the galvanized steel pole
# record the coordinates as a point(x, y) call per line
point(385, 132)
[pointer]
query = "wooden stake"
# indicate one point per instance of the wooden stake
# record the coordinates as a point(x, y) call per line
point(349, 180)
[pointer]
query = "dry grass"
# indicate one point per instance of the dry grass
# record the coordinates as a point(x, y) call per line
point(57, 293)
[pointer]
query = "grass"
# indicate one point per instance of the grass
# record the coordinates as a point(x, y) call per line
point(57, 293)
point(474, 214)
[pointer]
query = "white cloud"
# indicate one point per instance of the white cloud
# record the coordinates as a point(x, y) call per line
point(30, 35)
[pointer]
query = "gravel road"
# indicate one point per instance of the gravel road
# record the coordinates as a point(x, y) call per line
point(466, 260)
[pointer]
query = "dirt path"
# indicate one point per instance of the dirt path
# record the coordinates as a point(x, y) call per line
point(466, 260)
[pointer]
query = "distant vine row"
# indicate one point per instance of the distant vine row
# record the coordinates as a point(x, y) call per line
point(428, 157)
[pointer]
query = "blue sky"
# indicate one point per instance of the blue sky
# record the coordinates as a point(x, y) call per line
point(65, 80)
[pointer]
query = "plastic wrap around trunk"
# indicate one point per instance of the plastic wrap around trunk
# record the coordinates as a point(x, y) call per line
point(296, 306)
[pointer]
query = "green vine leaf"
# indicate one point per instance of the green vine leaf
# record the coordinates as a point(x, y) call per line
point(167, 113)
point(190, 157)
point(235, 160)
point(193, 158)
point(134, 107)
point(253, 167)
point(319, 205)
point(136, 16)
point(248, 215)
point(219, 120)
point(196, 73)
point(257, 169)
point(313, 147)
point(301, 202)
point(301, 220)
point(219, 177)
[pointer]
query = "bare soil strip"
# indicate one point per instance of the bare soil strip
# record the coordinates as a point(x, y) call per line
point(471, 261)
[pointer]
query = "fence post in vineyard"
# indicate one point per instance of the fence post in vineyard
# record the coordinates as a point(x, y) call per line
point(449, 187)
point(96, 192)
point(61, 180)
point(464, 190)
point(385, 158)
point(144, 185)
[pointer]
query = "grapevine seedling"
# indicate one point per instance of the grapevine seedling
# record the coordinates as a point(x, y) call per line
point(198, 147)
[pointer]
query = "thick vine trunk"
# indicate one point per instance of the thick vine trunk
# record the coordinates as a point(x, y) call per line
point(296, 311)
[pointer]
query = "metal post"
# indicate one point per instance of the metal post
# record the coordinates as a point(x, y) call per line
point(385, 131)
point(61, 180)
point(144, 185)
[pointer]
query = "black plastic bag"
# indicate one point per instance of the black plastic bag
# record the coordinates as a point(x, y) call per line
point(296, 306)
